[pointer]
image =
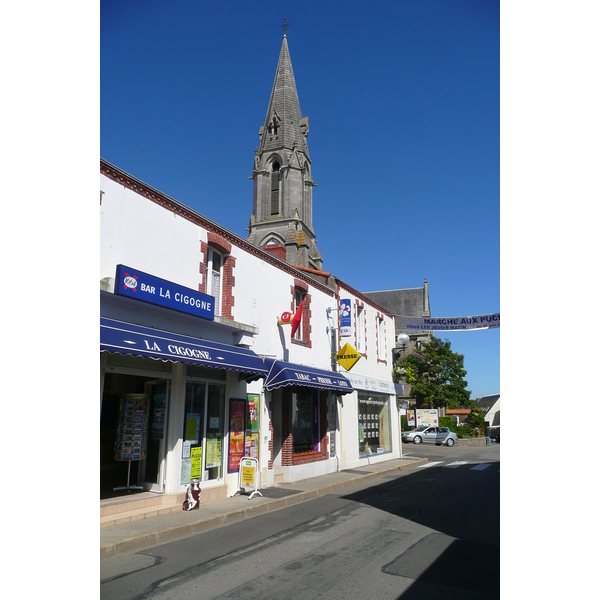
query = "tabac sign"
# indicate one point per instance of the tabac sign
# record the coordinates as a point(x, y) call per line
point(347, 357)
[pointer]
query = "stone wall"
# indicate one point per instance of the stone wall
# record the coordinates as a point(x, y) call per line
point(480, 441)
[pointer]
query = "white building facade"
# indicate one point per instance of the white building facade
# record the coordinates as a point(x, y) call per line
point(195, 369)
point(369, 416)
point(198, 363)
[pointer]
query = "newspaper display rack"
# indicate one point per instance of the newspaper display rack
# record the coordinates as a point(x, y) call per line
point(248, 477)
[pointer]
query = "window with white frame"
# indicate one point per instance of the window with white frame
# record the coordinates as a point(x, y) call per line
point(360, 329)
point(214, 277)
point(380, 338)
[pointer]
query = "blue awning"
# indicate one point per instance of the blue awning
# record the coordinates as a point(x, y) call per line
point(135, 340)
point(284, 373)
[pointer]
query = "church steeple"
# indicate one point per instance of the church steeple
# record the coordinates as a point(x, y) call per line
point(281, 220)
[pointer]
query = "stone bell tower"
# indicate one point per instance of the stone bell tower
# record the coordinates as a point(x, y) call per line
point(281, 220)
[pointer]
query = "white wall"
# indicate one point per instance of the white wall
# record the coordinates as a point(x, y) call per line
point(139, 233)
point(370, 367)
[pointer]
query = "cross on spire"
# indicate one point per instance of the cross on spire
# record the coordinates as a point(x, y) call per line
point(285, 25)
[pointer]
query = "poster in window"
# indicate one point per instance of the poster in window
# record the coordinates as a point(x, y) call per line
point(237, 428)
point(213, 452)
point(251, 445)
point(252, 423)
point(186, 470)
point(196, 470)
point(192, 428)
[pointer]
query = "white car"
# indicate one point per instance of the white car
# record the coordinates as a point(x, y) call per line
point(429, 434)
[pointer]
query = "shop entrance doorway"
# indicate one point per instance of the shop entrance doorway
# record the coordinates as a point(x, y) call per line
point(123, 430)
point(152, 468)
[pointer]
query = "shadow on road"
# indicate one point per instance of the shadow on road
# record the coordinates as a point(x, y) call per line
point(461, 557)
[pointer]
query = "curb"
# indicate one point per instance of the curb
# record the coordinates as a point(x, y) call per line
point(178, 532)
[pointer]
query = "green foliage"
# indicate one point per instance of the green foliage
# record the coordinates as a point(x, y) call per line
point(436, 375)
point(449, 422)
point(403, 423)
point(476, 419)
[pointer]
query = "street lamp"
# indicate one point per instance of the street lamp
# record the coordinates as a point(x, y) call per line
point(403, 340)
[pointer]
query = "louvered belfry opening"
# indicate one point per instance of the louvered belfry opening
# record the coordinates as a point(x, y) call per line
point(275, 189)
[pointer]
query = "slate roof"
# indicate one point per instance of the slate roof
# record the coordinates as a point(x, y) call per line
point(401, 303)
point(285, 105)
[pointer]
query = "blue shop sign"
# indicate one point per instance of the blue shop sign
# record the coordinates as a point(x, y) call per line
point(345, 317)
point(136, 284)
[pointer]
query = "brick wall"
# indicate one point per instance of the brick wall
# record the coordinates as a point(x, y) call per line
point(277, 250)
point(286, 427)
point(270, 409)
point(288, 458)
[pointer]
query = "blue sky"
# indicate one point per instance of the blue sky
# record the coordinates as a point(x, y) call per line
point(404, 106)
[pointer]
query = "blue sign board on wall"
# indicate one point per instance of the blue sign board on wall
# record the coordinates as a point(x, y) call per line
point(345, 318)
point(134, 283)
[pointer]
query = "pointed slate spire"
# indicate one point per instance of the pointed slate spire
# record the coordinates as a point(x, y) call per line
point(284, 124)
point(281, 220)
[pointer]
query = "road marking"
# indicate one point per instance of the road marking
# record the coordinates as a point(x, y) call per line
point(481, 467)
point(456, 463)
point(430, 464)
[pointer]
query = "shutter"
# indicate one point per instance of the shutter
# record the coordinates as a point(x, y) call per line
point(275, 192)
point(216, 290)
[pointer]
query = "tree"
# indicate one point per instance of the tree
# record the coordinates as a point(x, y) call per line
point(476, 418)
point(436, 375)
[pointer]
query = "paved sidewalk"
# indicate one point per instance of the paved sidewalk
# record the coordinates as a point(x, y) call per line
point(145, 533)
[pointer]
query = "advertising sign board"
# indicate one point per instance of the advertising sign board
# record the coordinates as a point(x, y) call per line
point(136, 284)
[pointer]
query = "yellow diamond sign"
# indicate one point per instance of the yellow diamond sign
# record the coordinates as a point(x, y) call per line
point(347, 357)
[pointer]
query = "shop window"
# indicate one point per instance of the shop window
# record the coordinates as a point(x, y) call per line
point(205, 372)
point(305, 422)
point(214, 277)
point(203, 432)
point(136, 362)
point(374, 435)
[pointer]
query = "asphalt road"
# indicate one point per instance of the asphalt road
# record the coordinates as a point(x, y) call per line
point(430, 532)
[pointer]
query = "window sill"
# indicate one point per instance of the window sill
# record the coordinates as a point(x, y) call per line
point(306, 344)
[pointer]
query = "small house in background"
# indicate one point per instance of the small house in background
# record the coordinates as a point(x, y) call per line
point(458, 414)
point(491, 411)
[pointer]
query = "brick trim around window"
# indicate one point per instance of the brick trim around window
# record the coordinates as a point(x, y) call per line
point(228, 278)
point(288, 458)
point(306, 315)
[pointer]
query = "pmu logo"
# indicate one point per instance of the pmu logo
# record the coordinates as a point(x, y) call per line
point(345, 308)
point(130, 282)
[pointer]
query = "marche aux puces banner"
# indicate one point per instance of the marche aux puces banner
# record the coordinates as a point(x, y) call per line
point(490, 321)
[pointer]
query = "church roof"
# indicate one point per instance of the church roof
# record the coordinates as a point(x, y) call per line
point(284, 109)
point(402, 303)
